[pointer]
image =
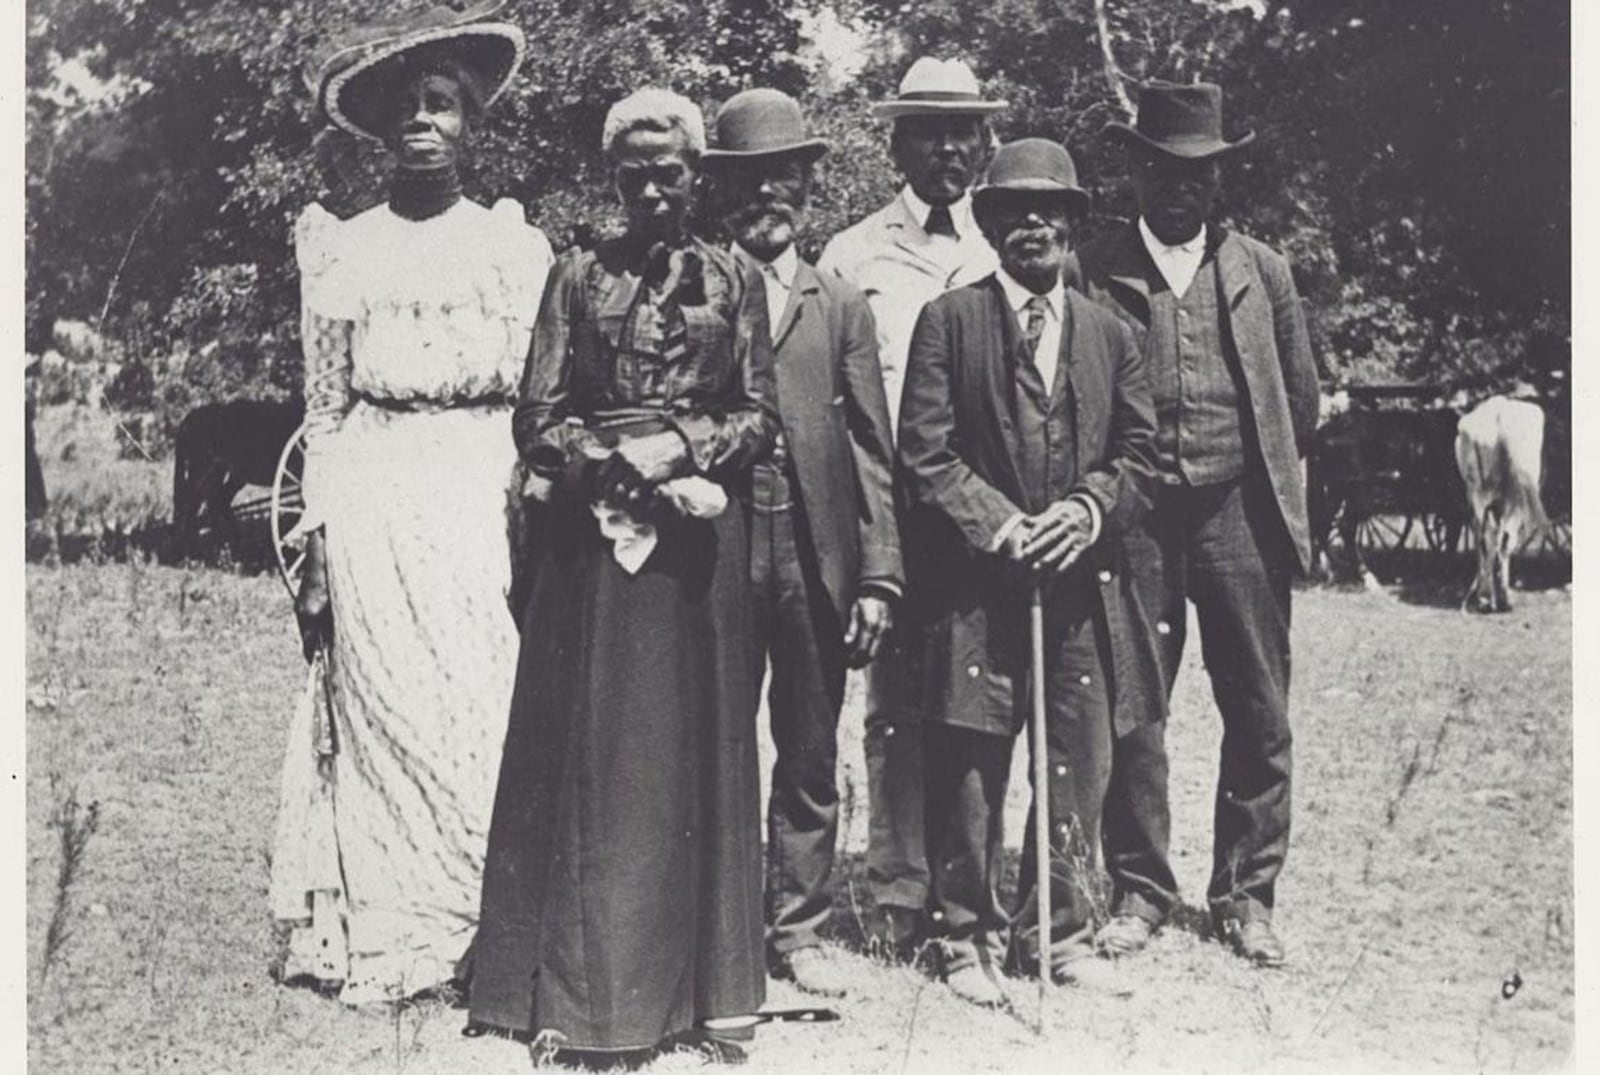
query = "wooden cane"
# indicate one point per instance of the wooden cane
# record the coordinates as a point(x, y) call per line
point(1041, 793)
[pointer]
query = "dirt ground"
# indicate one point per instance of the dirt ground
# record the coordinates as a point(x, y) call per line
point(1427, 902)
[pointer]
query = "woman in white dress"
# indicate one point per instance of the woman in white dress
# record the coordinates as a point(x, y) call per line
point(416, 321)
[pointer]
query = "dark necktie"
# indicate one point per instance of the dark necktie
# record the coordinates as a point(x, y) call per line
point(939, 222)
point(1034, 328)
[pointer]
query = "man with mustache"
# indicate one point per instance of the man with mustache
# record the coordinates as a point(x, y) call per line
point(1026, 448)
point(825, 550)
point(1235, 390)
point(919, 245)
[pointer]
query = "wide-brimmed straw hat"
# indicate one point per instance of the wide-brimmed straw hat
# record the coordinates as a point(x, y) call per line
point(938, 87)
point(1032, 166)
point(1180, 121)
point(762, 123)
point(346, 74)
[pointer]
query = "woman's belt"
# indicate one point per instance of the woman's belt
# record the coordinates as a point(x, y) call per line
point(422, 405)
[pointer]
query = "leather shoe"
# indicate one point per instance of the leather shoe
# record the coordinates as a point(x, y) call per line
point(1094, 974)
point(894, 932)
point(812, 971)
point(973, 985)
point(1124, 935)
point(1254, 941)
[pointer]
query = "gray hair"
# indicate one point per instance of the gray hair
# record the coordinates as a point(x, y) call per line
point(653, 109)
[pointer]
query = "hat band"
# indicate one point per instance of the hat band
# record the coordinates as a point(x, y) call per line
point(938, 95)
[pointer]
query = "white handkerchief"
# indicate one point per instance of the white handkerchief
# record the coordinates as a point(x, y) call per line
point(633, 541)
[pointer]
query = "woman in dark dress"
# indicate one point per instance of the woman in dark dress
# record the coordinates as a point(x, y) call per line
point(622, 892)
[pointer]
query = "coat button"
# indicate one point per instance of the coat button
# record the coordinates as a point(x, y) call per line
point(1061, 770)
point(1084, 679)
point(1163, 628)
point(1104, 576)
point(973, 671)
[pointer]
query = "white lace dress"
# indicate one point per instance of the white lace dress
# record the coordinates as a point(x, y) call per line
point(415, 335)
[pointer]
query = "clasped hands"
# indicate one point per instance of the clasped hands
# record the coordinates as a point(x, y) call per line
point(1051, 541)
point(627, 475)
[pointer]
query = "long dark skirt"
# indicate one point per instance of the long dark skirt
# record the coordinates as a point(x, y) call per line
point(622, 888)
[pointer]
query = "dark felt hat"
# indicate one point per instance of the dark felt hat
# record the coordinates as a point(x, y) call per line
point(1032, 166)
point(348, 73)
point(762, 123)
point(1180, 121)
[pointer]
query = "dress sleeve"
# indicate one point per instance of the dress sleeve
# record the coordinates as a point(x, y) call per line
point(551, 439)
point(742, 432)
point(326, 331)
point(526, 259)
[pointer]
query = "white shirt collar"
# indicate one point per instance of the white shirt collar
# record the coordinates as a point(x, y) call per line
point(960, 212)
point(1159, 249)
point(1017, 295)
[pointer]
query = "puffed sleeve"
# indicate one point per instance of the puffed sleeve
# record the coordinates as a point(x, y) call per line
point(327, 312)
point(551, 439)
point(525, 258)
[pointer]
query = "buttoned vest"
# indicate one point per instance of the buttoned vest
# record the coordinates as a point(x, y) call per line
point(1196, 381)
point(1046, 429)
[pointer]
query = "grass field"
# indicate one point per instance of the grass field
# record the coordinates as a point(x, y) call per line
point(1431, 863)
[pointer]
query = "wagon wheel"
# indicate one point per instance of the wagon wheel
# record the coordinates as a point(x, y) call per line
point(288, 504)
point(1383, 533)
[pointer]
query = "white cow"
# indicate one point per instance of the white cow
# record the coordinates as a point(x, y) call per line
point(1498, 447)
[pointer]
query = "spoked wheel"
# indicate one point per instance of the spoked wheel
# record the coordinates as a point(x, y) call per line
point(288, 505)
point(1442, 533)
point(1383, 533)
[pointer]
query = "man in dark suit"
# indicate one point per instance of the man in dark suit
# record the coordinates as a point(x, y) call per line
point(1235, 392)
point(825, 552)
point(1025, 447)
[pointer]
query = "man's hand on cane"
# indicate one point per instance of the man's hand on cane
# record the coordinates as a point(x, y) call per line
point(1057, 536)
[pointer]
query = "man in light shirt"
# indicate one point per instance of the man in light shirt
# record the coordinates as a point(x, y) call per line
point(919, 245)
point(825, 550)
point(1235, 390)
point(1025, 446)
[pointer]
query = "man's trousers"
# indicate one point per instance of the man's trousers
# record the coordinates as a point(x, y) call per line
point(795, 625)
point(1224, 548)
point(967, 776)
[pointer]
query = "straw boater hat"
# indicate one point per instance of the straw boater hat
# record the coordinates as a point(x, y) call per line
point(1032, 166)
point(348, 74)
point(1180, 121)
point(762, 123)
point(935, 87)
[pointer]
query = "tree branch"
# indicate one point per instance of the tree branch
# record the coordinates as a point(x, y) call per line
point(1113, 76)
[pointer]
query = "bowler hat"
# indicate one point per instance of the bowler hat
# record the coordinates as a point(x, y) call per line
point(1032, 166)
point(762, 123)
point(346, 74)
point(937, 87)
point(1180, 121)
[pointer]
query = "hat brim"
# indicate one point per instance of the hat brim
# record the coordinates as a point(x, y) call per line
point(898, 109)
point(1076, 197)
point(495, 50)
point(1183, 149)
point(811, 149)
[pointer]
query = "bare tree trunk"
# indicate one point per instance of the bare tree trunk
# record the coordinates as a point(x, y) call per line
point(1113, 76)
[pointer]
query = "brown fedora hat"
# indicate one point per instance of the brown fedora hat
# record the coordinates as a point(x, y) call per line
point(761, 123)
point(1180, 121)
point(1032, 166)
point(346, 73)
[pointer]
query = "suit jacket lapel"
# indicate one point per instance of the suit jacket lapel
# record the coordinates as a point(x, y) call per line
point(1000, 373)
point(1233, 270)
point(801, 293)
point(1130, 269)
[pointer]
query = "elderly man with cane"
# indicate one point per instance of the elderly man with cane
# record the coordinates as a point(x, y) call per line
point(1026, 439)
